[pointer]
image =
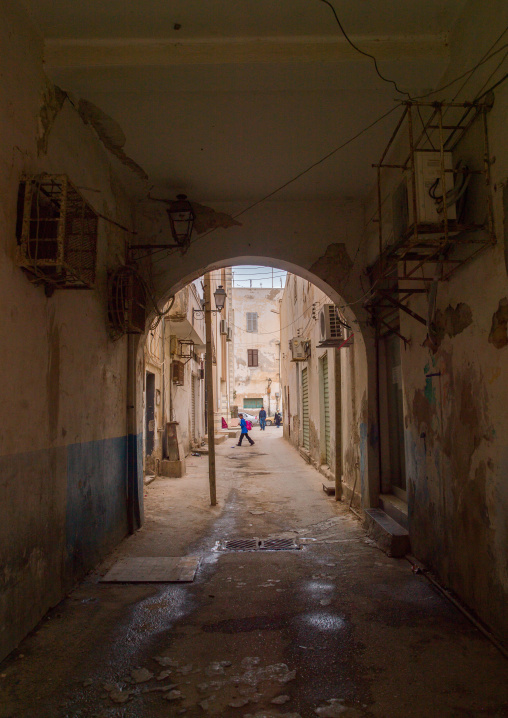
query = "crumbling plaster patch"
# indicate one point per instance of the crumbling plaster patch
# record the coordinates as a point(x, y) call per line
point(498, 332)
point(51, 103)
point(451, 322)
point(334, 266)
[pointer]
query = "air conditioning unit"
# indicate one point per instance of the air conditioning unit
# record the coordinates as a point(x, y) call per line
point(331, 329)
point(299, 349)
point(230, 335)
point(56, 232)
point(429, 190)
point(223, 326)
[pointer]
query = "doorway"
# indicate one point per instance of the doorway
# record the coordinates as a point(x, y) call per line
point(395, 418)
point(150, 414)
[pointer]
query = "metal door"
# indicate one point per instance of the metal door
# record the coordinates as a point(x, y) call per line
point(326, 409)
point(305, 409)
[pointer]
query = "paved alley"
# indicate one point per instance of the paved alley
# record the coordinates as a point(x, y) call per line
point(333, 629)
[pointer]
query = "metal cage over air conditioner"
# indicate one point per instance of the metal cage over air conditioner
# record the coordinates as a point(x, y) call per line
point(331, 328)
point(56, 232)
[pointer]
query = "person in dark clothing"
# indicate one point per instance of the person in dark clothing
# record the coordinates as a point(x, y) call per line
point(278, 419)
point(262, 418)
point(243, 426)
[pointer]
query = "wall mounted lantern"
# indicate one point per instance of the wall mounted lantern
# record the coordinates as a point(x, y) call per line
point(220, 300)
point(181, 218)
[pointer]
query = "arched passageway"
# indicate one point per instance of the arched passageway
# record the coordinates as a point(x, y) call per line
point(358, 411)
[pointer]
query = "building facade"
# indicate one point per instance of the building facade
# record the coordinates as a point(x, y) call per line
point(257, 349)
point(310, 378)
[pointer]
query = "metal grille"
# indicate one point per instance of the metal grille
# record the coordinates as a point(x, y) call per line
point(305, 409)
point(57, 233)
point(256, 544)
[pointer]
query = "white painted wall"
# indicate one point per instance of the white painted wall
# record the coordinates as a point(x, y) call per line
point(252, 382)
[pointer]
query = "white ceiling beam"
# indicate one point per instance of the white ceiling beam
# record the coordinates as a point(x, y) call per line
point(76, 53)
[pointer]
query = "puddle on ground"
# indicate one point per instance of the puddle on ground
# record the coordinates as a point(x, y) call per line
point(323, 621)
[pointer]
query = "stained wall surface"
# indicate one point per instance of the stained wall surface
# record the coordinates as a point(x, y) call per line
point(455, 391)
point(63, 441)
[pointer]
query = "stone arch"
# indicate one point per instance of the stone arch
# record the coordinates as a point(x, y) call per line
point(329, 272)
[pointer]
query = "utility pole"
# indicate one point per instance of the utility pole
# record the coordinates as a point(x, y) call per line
point(209, 390)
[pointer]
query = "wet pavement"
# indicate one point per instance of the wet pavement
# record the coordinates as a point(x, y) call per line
point(333, 629)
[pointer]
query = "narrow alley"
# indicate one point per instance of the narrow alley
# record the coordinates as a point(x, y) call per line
point(331, 628)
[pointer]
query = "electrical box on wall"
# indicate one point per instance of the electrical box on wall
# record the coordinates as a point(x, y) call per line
point(223, 326)
point(300, 349)
point(178, 372)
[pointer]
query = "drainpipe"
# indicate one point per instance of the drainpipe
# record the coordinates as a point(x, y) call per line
point(378, 412)
point(163, 453)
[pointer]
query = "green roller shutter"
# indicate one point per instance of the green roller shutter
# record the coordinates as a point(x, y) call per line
point(326, 406)
point(305, 409)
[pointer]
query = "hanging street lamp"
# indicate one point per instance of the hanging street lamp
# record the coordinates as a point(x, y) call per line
point(181, 218)
point(220, 297)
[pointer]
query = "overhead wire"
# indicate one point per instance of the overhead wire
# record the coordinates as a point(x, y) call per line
point(295, 178)
point(362, 52)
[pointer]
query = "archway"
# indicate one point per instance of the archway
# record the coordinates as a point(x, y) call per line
point(364, 460)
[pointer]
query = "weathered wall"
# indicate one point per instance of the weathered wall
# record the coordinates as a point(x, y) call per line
point(455, 421)
point(251, 382)
point(63, 447)
point(348, 430)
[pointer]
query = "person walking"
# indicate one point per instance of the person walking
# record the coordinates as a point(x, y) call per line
point(262, 418)
point(244, 431)
point(278, 419)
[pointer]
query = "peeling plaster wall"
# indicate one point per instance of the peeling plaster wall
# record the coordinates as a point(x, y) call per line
point(455, 422)
point(63, 440)
point(251, 382)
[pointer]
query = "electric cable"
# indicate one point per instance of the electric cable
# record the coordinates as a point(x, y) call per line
point(464, 74)
point(481, 59)
point(362, 52)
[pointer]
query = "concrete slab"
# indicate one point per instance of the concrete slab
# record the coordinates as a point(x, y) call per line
point(153, 569)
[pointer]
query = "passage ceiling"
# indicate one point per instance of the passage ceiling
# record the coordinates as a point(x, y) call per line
point(228, 100)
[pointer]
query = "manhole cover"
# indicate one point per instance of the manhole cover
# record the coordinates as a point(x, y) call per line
point(256, 544)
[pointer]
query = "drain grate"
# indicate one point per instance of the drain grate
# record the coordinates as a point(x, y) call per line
point(256, 544)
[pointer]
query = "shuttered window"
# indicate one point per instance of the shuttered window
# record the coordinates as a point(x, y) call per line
point(252, 322)
point(252, 357)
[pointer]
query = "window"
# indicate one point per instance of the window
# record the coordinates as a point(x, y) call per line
point(252, 403)
point(252, 357)
point(252, 322)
